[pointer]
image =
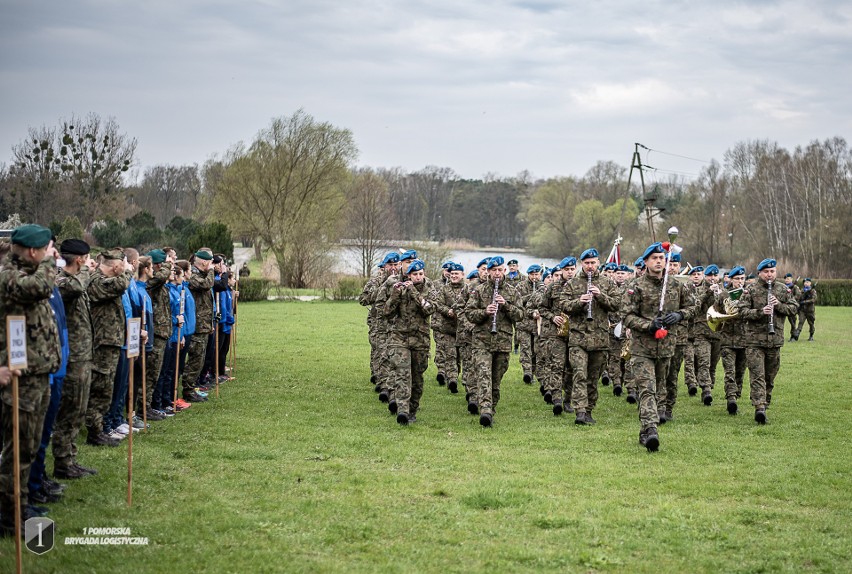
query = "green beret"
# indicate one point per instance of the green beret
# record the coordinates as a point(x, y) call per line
point(116, 253)
point(204, 255)
point(32, 235)
point(157, 256)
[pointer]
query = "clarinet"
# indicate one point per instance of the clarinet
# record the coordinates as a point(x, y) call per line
point(771, 315)
point(494, 302)
point(588, 291)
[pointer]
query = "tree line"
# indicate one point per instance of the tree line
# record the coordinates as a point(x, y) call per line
point(295, 191)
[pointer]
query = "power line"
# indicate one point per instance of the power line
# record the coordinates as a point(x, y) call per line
point(671, 171)
point(674, 154)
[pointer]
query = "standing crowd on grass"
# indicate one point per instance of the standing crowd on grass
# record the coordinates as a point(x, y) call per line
point(77, 375)
point(580, 323)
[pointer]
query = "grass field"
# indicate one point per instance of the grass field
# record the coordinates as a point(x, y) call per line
point(298, 468)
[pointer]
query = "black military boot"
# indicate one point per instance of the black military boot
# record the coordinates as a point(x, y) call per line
point(68, 472)
point(557, 407)
point(472, 408)
point(453, 386)
point(732, 407)
point(631, 397)
point(693, 390)
point(378, 388)
point(617, 390)
point(528, 378)
point(548, 397)
point(605, 380)
point(707, 398)
point(486, 420)
point(392, 407)
point(760, 416)
point(373, 379)
point(669, 415)
point(441, 379)
point(580, 418)
point(402, 419)
point(652, 439)
point(589, 419)
point(661, 414)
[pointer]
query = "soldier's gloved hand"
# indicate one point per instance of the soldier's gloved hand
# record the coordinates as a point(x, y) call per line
point(656, 325)
point(673, 318)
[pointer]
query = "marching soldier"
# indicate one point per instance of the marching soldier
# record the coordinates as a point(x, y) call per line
point(615, 364)
point(797, 295)
point(557, 382)
point(444, 327)
point(527, 329)
point(588, 300)
point(763, 307)
point(367, 298)
point(696, 282)
point(493, 308)
point(26, 285)
point(733, 340)
point(667, 395)
point(629, 379)
point(408, 307)
point(806, 308)
point(464, 333)
point(651, 348)
point(707, 349)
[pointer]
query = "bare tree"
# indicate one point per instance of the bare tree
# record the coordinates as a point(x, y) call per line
point(370, 217)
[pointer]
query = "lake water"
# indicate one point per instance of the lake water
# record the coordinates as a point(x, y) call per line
point(348, 262)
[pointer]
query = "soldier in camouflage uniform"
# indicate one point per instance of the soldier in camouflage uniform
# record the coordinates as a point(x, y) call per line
point(26, 283)
point(807, 304)
point(696, 283)
point(651, 348)
point(733, 341)
point(797, 295)
point(615, 364)
point(558, 377)
point(629, 379)
point(667, 395)
point(158, 290)
point(527, 329)
point(764, 339)
point(407, 310)
point(201, 282)
point(443, 346)
point(445, 325)
point(367, 298)
point(464, 334)
point(515, 278)
point(108, 283)
point(73, 282)
point(589, 339)
point(490, 351)
point(706, 340)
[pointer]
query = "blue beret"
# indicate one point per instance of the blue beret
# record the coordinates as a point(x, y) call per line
point(31, 235)
point(711, 270)
point(588, 254)
point(696, 269)
point(157, 256)
point(738, 270)
point(610, 267)
point(534, 268)
point(640, 264)
point(456, 267)
point(483, 262)
point(653, 248)
point(410, 254)
point(624, 267)
point(766, 264)
point(495, 261)
point(416, 265)
point(391, 257)
point(568, 262)
point(447, 265)
point(473, 274)
point(675, 257)
point(546, 274)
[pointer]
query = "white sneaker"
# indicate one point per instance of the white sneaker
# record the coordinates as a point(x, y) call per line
point(117, 435)
point(122, 429)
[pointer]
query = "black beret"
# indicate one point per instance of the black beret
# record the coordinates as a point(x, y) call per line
point(74, 247)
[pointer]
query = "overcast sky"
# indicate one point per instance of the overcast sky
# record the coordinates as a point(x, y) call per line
point(497, 86)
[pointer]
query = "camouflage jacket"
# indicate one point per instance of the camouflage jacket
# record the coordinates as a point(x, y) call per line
point(590, 335)
point(525, 289)
point(547, 303)
point(407, 312)
point(108, 320)
point(796, 291)
point(464, 328)
point(447, 295)
point(25, 289)
point(515, 281)
point(73, 289)
point(750, 307)
point(680, 331)
point(159, 293)
point(808, 299)
point(367, 298)
point(640, 305)
point(201, 286)
point(704, 299)
point(507, 315)
point(732, 331)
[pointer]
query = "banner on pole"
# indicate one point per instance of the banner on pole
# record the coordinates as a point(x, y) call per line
point(16, 339)
point(134, 337)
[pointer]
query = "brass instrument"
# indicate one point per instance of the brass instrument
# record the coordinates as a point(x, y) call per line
point(715, 318)
point(563, 330)
point(625, 349)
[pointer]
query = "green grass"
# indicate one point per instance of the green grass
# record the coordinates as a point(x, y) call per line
point(298, 468)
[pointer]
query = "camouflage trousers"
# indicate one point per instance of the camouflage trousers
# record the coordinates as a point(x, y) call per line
point(468, 370)
point(526, 341)
point(153, 365)
point(489, 368)
point(587, 367)
point(446, 359)
point(408, 368)
point(805, 314)
point(667, 394)
point(734, 362)
point(793, 322)
point(614, 363)
point(689, 364)
point(559, 378)
point(104, 366)
point(30, 426)
point(763, 365)
point(375, 351)
point(384, 373)
point(629, 378)
point(72, 413)
point(650, 374)
point(194, 360)
point(703, 349)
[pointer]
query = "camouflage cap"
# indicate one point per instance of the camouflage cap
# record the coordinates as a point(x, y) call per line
point(114, 254)
point(31, 235)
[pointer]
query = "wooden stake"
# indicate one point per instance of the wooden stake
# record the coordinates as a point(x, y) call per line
point(130, 437)
point(16, 455)
point(216, 344)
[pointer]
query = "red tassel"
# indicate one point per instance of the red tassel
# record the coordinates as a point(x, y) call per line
point(666, 245)
point(661, 334)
